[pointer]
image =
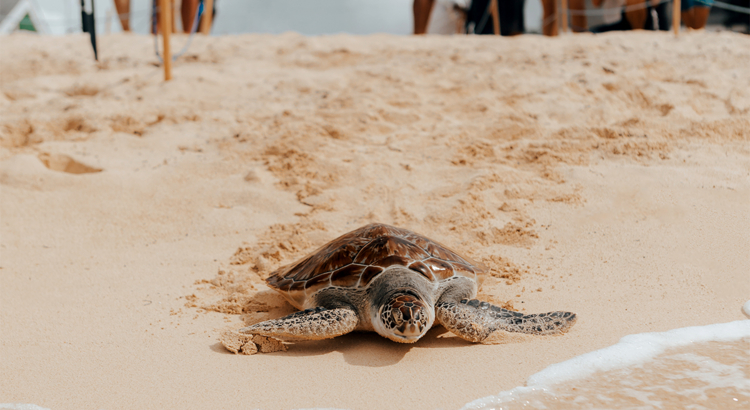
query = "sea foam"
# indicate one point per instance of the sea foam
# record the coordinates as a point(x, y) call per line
point(645, 366)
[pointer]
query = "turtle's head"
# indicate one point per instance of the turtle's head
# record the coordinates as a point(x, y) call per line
point(404, 317)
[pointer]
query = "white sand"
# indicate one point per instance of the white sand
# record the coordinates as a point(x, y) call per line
point(606, 175)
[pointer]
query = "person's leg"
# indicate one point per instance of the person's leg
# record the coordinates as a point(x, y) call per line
point(519, 23)
point(622, 25)
point(461, 16)
point(123, 11)
point(188, 10)
point(637, 17)
point(549, 22)
point(686, 7)
point(650, 23)
point(687, 18)
point(422, 10)
point(578, 21)
point(700, 16)
point(511, 17)
point(174, 11)
point(662, 13)
point(157, 16)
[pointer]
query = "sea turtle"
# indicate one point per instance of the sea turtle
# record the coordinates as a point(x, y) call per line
point(394, 282)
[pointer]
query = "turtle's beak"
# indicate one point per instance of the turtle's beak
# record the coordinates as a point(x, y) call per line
point(410, 329)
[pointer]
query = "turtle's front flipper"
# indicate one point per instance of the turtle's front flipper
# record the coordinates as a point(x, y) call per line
point(311, 324)
point(474, 320)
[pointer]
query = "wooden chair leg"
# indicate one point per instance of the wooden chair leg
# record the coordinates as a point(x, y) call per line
point(495, 17)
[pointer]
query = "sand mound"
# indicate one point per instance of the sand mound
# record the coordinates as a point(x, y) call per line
point(240, 343)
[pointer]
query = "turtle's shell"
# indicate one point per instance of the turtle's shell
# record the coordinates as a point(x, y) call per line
point(356, 258)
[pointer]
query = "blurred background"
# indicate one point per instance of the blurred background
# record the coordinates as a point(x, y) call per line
point(309, 17)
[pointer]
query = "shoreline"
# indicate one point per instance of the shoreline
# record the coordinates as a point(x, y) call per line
point(551, 384)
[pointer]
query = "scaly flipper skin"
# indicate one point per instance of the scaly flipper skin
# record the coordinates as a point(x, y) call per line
point(311, 324)
point(474, 320)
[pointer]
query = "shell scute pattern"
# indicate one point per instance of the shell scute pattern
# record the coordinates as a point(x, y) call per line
point(425, 270)
point(462, 270)
point(314, 282)
point(332, 262)
point(441, 269)
point(369, 273)
point(348, 275)
point(284, 284)
point(356, 258)
point(383, 247)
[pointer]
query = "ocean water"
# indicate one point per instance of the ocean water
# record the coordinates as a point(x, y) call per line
point(700, 367)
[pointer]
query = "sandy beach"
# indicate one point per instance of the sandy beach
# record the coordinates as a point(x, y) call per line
point(607, 175)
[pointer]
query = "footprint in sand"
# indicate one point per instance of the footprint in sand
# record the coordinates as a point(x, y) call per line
point(64, 163)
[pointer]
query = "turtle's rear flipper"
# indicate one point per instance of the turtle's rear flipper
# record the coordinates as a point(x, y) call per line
point(474, 320)
point(311, 324)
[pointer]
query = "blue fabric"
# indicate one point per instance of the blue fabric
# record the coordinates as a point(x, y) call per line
point(689, 4)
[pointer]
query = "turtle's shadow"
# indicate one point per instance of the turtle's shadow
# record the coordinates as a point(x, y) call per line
point(370, 349)
point(358, 348)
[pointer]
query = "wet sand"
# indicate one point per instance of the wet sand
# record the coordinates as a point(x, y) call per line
point(605, 175)
point(703, 367)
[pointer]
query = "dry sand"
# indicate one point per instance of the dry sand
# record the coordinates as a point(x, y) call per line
point(606, 175)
